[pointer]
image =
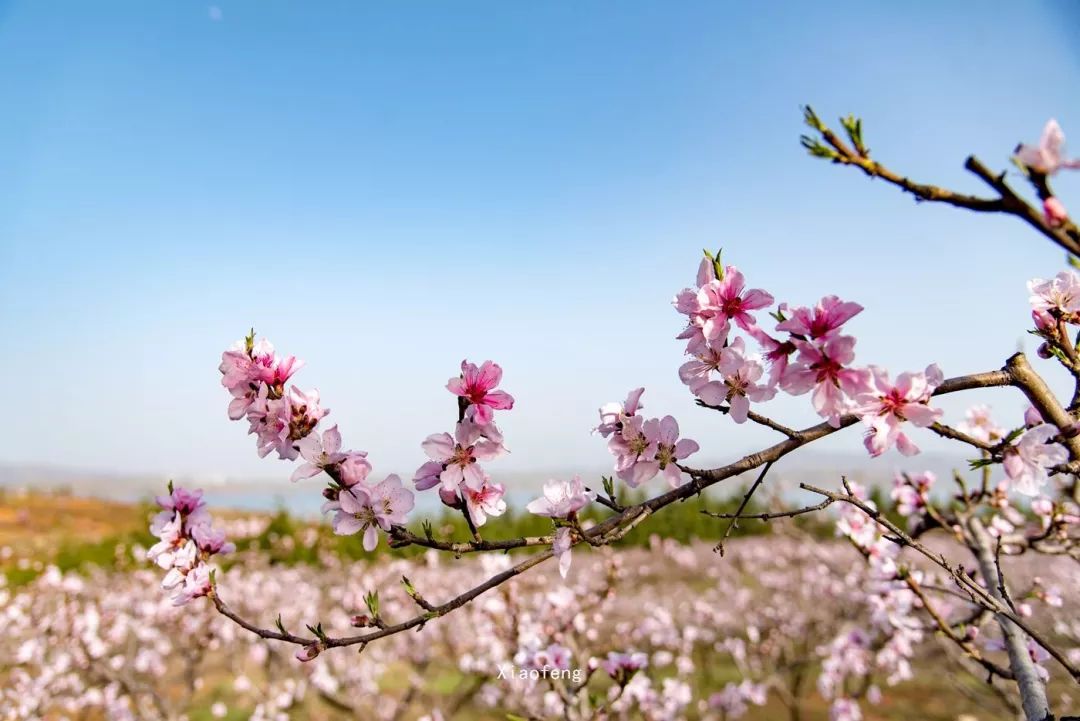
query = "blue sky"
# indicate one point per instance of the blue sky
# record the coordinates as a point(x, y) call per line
point(385, 188)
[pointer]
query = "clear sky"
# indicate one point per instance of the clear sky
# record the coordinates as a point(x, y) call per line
point(385, 188)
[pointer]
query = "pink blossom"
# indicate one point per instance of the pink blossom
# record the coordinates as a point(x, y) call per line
point(1049, 155)
point(728, 300)
point(353, 468)
point(1054, 211)
point(244, 371)
point(740, 382)
point(487, 500)
point(427, 475)
point(552, 657)
point(1032, 417)
point(912, 492)
point(646, 448)
point(196, 585)
point(823, 320)
point(1058, 297)
point(622, 666)
point(211, 540)
point(823, 368)
point(367, 509)
point(561, 546)
point(181, 500)
point(612, 415)
point(460, 454)
point(171, 541)
point(1029, 458)
point(979, 425)
point(318, 453)
point(279, 423)
point(696, 373)
point(887, 406)
point(477, 386)
point(844, 709)
point(713, 306)
point(777, 353)
point(562, 498)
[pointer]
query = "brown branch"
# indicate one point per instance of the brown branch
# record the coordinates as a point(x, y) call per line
point(610, 530)
point(1067, 235)
point(742, 507)
point(771, 516)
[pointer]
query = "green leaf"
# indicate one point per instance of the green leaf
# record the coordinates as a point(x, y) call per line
point(811, 119)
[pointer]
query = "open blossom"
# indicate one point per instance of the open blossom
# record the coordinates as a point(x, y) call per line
point(477, 386)
point(1058, 297)
point(210, 540)
point(1049, 155)
point(822, 321)
point(645, 448)
point(459, 455)
point(729, 299)
point(562, 498)
point(182, 506)
point(777, 354)
point(824, 368)
point(245, 370)
point(196, 585)
point(612, 415)
point(487, 500)
point(696, 373)
point(319, 453)
point(886, 406)
point(621, 666)
point(721, 301)
point(979, 425)
point(368, 509)
point(1029, 458)
point(713, 306)
point(278, 423)
point(740, 382)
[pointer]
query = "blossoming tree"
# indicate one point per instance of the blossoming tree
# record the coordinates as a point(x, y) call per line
point(1019, 496)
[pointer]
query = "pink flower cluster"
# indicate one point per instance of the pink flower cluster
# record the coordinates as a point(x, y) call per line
point(815, 357)
point(455, 459)
point(186, 542)
point(255, 376)
point(643, 448)
point(287, 422)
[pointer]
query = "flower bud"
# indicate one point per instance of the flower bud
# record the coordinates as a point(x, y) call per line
point(309, 652)
point(1054, 212)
